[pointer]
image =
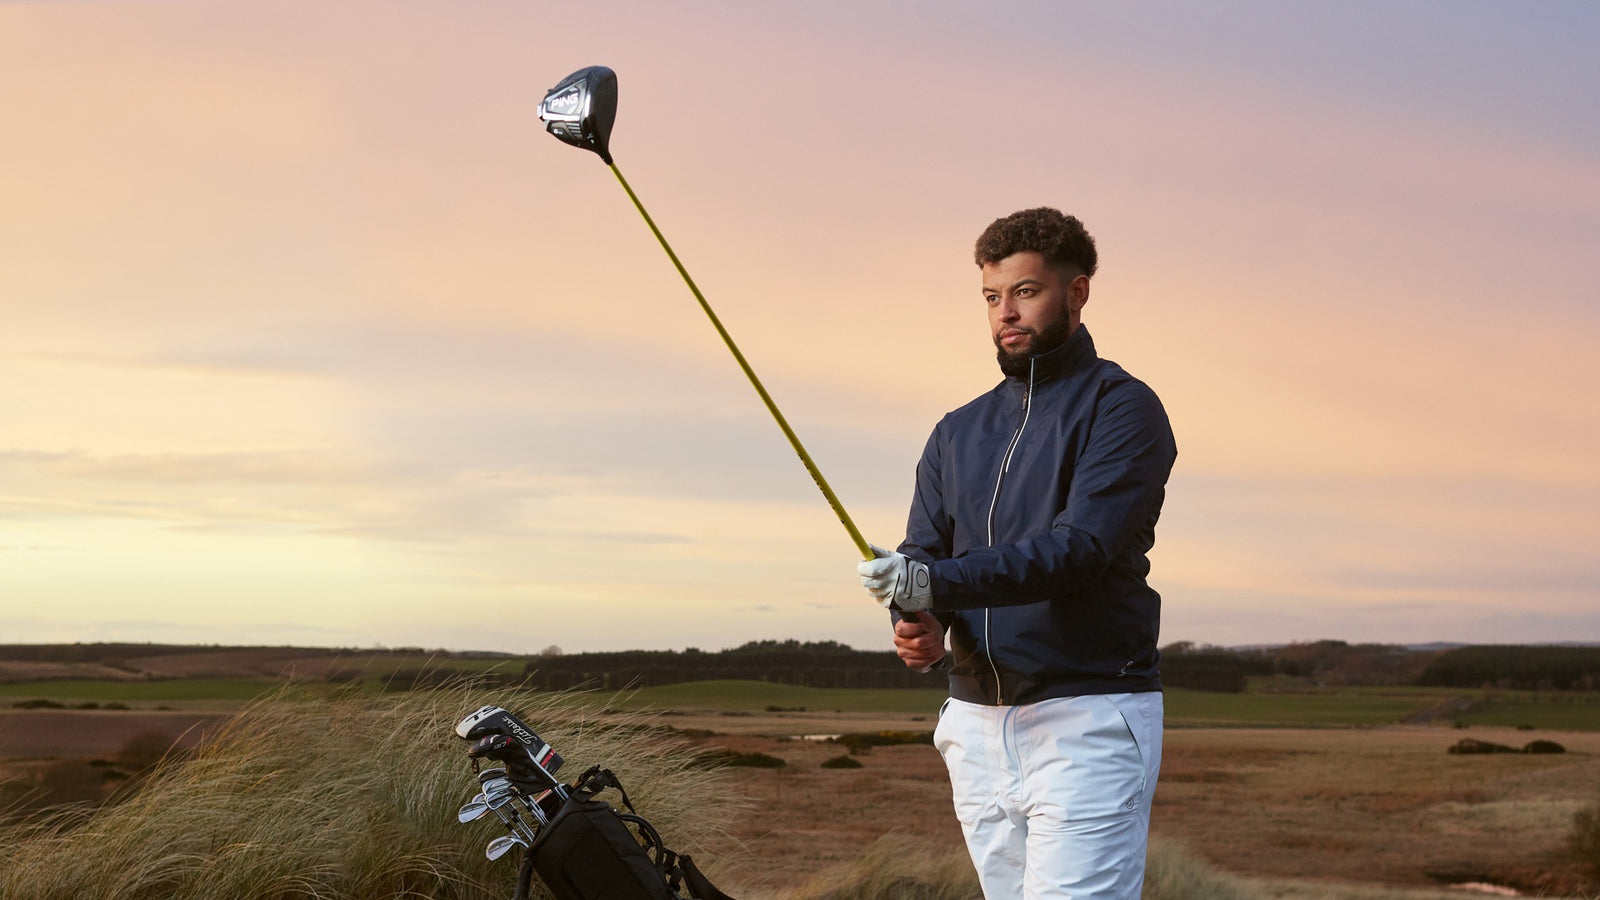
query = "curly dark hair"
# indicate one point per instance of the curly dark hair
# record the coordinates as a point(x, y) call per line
point(1060, 238)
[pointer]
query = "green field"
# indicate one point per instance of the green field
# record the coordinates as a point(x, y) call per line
point(1346, 707)
point(1375, 706)
point(754, 696)
point(1330, 708)
point(1183, 707)
point(1569, 711)
point(1352, 707)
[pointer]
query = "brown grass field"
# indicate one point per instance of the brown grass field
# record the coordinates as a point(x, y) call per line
point(1383, 806)
point(1375, 807)
point(53, 733)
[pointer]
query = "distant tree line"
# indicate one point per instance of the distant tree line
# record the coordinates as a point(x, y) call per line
point(1203, 668)
point(1183, 665)
point(95, 653)
point(1513, 667)
point(103, 652)
point(831, 664)
point(1208, 668)
point(1516, 668)
point(827, 664)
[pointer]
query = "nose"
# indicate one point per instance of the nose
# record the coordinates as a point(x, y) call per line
point(1006, 311)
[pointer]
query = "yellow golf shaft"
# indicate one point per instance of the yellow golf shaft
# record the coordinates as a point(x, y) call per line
point(794, 441)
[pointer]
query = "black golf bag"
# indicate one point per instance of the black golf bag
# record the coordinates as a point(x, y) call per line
point(589, 852)
point(579, 845)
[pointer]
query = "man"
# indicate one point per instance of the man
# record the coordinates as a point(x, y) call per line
point(1035, 509)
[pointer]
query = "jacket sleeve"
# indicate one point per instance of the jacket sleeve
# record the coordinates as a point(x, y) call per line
point(1118, 483)
point(929, 530)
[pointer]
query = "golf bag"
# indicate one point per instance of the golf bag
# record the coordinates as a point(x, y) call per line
point(579, 845)
point(588, 852)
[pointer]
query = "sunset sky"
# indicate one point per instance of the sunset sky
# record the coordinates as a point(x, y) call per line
point(311, 335)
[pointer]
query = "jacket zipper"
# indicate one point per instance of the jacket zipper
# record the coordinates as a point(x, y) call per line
point(1005, 463)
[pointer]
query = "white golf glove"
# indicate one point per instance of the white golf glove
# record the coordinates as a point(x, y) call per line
point(896, 580)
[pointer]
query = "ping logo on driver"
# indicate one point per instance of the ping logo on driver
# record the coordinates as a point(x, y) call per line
point(566, 102)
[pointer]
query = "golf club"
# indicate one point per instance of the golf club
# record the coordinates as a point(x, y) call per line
point(505, 738)
point(472, 810)
point(501, 845)
point(505, 808)
point(580, 110)
point(495, 788)
point(492, 720)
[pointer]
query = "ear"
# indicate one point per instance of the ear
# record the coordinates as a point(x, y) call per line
point(1078, 292)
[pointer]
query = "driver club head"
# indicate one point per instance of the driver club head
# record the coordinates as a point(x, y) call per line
point(581, 108)
point(489, 721)
point(503, 844)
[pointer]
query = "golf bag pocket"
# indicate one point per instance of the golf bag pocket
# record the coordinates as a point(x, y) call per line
point(587, 852)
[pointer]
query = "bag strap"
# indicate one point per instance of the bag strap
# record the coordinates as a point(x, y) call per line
point(678, 869)
point(524, 876)
point(598, 779)
point(700, 887)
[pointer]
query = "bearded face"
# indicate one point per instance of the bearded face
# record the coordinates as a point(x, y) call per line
point(1014, 361)
point(1033, 308)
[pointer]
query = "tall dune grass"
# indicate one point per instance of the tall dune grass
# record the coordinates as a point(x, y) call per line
point(348, 799)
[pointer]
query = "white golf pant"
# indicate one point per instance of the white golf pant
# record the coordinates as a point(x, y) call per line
point(1054, 797)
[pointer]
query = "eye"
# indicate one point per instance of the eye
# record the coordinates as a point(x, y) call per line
point(991, 299)
point(1024, 292)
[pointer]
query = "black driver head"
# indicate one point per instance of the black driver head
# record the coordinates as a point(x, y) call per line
point(491, 720)
point(581, 108)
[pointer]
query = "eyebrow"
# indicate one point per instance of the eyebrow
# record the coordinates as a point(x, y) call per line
point(1014, 285)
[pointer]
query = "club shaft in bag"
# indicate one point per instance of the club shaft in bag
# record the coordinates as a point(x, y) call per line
point(777, 416)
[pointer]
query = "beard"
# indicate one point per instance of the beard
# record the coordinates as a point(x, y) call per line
point(1016, 365)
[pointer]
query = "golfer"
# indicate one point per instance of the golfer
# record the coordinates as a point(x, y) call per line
point(1035, 509)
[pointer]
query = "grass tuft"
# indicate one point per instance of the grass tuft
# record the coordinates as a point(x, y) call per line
point(1172, 872)
point(892, 868)
point(348, 799)
point(1583, 843)
point(842, 762)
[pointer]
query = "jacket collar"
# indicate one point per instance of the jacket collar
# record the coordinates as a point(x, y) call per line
point(1077, 351)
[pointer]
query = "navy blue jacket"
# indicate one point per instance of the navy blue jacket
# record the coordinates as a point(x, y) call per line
point(1035, 507)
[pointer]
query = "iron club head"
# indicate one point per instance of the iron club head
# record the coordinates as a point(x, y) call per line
point(500, 845)
point(473, 810)
point(581, 108)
